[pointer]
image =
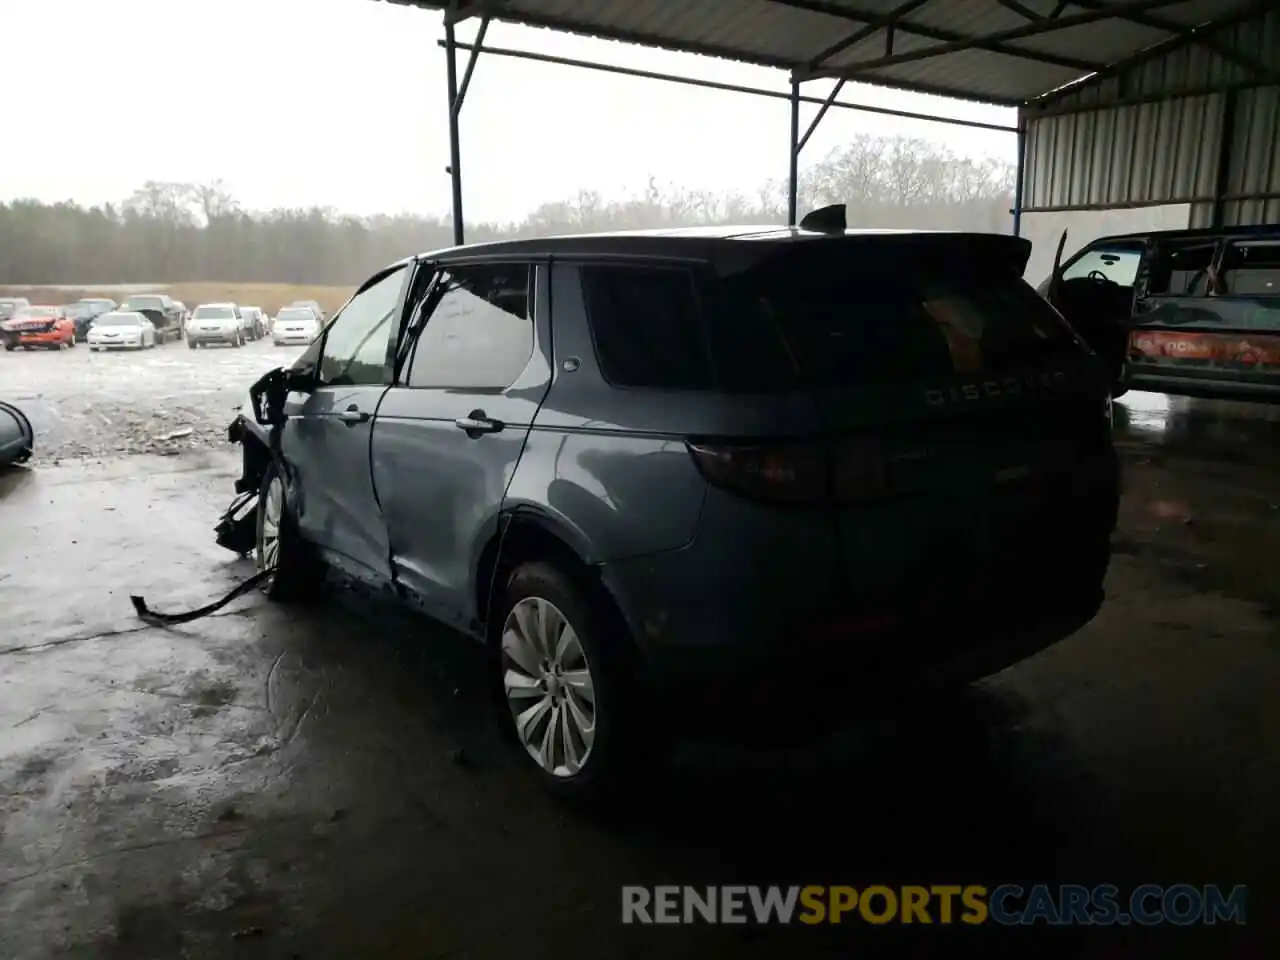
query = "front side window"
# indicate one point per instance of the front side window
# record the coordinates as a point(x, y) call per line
point(355, 345)
point(479, 335)
point(1117, 264)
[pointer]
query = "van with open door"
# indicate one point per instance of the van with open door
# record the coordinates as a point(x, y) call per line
point(1190, 312)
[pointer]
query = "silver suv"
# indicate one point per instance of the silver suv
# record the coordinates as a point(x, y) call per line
point(216, 323)
point(751, 471)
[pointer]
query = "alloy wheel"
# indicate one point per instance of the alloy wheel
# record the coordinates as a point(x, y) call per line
point(549, 687)
point(268, 553)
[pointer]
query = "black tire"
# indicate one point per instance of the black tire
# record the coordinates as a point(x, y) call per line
point(298, 574)
point(191, 344)
point(619, 751)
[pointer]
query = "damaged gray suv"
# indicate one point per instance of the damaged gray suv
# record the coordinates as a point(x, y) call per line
point(761, 472)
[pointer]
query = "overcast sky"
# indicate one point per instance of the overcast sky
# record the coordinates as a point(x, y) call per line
point(342, 103)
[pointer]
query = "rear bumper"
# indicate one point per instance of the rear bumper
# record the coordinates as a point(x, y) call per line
point(753, 604)
point(1209, 385)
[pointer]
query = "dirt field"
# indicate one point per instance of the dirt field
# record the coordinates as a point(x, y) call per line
point(270, 296)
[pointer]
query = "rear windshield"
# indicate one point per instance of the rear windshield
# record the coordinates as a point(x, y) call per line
point(213, 313)
point(144, 303)
point(840, 322)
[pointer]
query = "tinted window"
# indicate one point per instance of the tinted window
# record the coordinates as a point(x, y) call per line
point(645, 322)
point(1117, 264)
point(480, 332)
point(355, 345)
point(1182, 269)
point(213, 313)
point(838, 320)
point(145, 303)
point(1252, 269)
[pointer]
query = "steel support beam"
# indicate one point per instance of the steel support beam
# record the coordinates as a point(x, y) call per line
point(1199, 34)
point(1222, 179)
point(793, 177)
point(457, 94)
point(460, 10)
point(1026, 31)
point(884, 22)
point(455, 152)
point(1194, 35)
point(855, 15)
point(822, 112)
point(1025, 12)
point(726, 87)
point(1020, 178)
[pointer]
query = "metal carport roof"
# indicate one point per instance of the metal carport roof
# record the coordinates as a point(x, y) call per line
point(1005, 52)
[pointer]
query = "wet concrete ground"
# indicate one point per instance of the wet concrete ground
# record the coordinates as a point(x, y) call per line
point(166, 401)
point(328, 783)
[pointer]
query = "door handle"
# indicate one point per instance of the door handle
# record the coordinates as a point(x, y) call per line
point(353, 415)
point(476, 423)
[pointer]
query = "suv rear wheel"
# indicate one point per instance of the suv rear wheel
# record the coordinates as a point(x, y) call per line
point(566, 688)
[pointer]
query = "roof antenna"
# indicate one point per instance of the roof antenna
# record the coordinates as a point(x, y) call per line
point(830, 219)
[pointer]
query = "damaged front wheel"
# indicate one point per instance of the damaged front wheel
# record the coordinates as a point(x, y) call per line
point(279, 548)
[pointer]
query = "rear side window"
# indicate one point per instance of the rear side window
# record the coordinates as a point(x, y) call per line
point(1181, 269)
point(1252, 269)
point(646, 324)
point(843, 321)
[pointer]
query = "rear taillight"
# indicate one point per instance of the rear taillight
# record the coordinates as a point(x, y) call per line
point(842, 471)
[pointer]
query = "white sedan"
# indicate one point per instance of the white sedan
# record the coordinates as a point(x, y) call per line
point(130, 331)
point(294, 325)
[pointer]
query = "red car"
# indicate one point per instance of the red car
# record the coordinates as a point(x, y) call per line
point(47, 327)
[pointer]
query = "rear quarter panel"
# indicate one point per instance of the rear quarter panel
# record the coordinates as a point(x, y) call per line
point(608, 465)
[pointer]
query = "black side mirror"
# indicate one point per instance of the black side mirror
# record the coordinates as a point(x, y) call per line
point(300, 379)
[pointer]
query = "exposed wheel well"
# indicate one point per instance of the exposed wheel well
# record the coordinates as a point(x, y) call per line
point(526, 540)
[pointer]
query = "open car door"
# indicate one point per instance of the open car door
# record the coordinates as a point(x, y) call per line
point(1099, 309)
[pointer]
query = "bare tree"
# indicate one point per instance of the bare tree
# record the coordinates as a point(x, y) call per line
point(167, 232)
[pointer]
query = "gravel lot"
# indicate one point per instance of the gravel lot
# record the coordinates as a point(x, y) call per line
point(98, 406)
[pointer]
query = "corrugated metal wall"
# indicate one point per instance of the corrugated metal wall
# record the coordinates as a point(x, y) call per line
point(1154, 135)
